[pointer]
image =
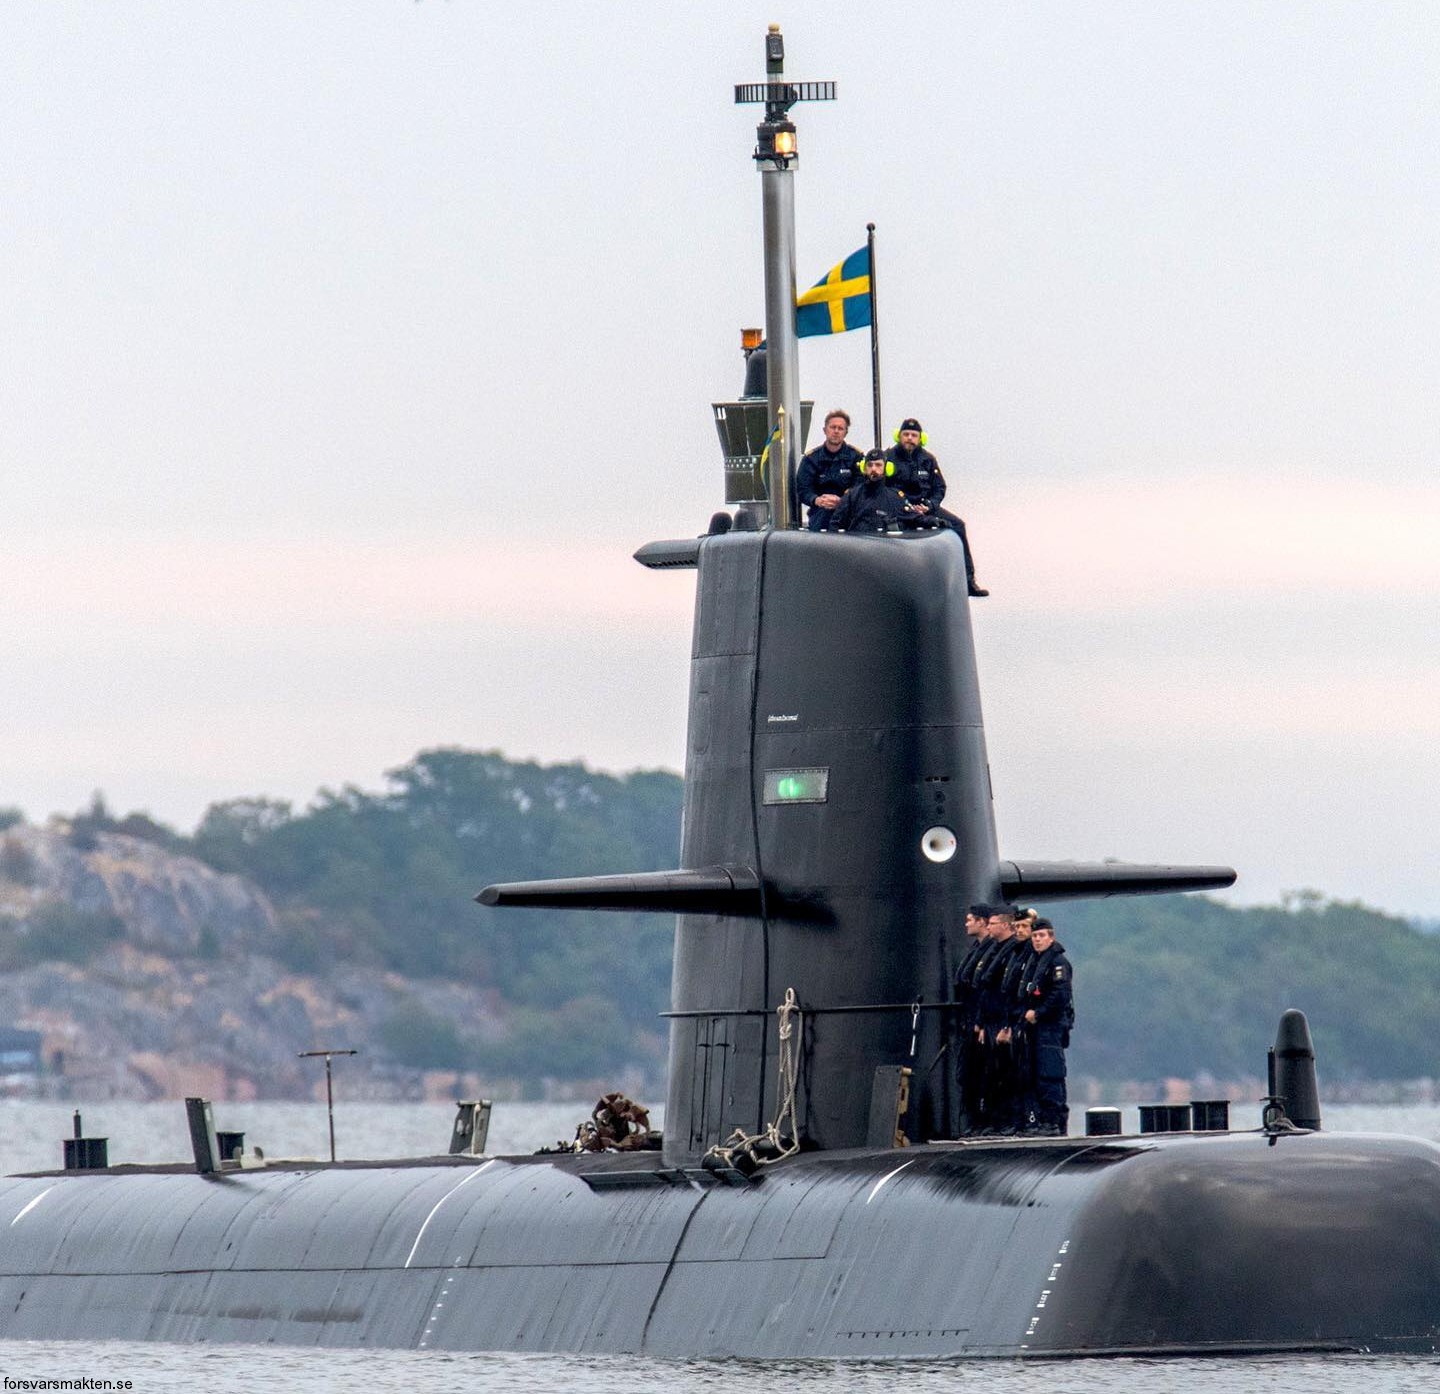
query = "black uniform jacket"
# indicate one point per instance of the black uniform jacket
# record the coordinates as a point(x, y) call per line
point(824, 471)
point(916, 473)
point(995, 1011)
point(1017, 973)
point(870, 506)
point(965, 980)
point(1049, 991)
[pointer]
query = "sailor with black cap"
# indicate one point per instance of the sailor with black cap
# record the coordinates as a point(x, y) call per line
point(1050, 1013)
point(915, 472)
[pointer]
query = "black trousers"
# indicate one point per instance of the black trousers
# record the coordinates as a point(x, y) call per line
point(950, 520)
point(1001, 1088)
point(972, 1083)
point(1051, 1104)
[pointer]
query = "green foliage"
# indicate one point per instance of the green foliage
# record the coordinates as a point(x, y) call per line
point(582, 1039)
point(311, 942)
point(10, 817)
point(229, 831)
point(207, 942)
point(89, 823)
point(1180, 985)
point(1171, 985)
point(399, 869)
point(388, 879)
point(56, 932)
point(16, 863)
point(416, 1037)
point(143, 826)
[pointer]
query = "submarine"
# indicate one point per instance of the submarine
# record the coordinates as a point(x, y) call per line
point(812, 1195)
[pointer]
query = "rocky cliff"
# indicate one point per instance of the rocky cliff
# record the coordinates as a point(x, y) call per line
point(150, 975)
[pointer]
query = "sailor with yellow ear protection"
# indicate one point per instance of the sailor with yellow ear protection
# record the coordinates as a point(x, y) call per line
point(915, 472)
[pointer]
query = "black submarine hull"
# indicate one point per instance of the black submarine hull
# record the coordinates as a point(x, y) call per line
point(1180, 1244)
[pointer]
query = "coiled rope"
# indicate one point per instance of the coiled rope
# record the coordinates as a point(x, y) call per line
point(745, 1152)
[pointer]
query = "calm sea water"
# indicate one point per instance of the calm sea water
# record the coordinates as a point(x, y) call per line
point(30, 1137)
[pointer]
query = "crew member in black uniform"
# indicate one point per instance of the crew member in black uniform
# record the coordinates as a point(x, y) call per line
point(1050, 1015)
point(828, 472)
point(872, 505)
point(996, 1016)
point(968, 1054)
point(973, 974)
point(915, 472)
point(1020, 1086)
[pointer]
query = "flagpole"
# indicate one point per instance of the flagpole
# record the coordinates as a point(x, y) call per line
point(874, 332)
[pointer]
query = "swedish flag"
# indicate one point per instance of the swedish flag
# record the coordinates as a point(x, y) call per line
point(840, 300)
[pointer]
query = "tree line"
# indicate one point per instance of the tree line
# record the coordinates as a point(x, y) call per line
point(1170, 985)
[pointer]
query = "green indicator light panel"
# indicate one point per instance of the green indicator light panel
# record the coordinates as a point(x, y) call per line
point(796, 786)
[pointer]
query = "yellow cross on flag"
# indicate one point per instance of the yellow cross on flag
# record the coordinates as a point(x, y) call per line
point(840, 300)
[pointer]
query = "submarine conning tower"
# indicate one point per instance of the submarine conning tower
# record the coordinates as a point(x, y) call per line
point(836, 750)
point(837, 825)
point(837, 817)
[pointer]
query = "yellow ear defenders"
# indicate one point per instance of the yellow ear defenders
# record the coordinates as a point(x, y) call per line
point(924, 437)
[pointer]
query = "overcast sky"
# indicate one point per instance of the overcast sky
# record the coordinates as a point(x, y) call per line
point(349, 349)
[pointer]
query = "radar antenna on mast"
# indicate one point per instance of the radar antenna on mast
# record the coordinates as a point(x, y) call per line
point(776, 156)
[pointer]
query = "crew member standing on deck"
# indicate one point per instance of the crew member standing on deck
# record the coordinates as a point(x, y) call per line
point(1050, 1014)
point(828, 472)
point(1022, 1074)
point(969, 1054)
point(995, 1016)
point(915, 472)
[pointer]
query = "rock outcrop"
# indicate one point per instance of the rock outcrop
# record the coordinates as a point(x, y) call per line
point(149, 975)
